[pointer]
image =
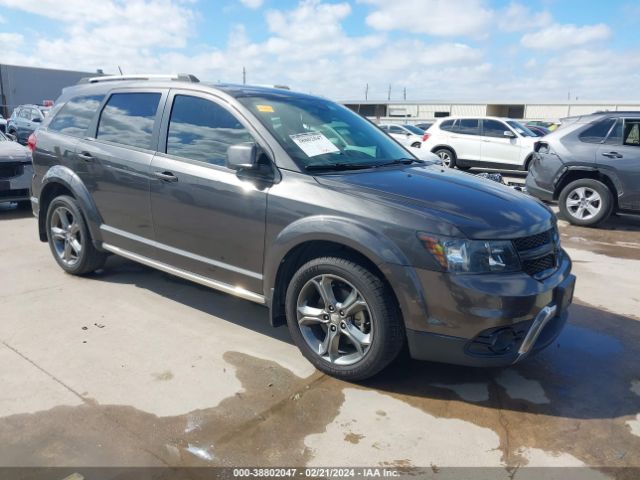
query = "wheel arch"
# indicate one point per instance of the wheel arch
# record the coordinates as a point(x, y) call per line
point(61, 180)
point(301, 242)
point(576, 173)
point(447, 147)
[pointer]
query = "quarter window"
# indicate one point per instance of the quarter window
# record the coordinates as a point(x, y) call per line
point(493, 128)
point(201, 130)
point(469, 126)
point(447, 125)
point(632, 132)
point(597, 132)
point(75, 116)
point(128, 119)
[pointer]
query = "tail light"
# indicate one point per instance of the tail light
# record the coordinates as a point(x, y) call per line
point(425, 137)
point(31, 142)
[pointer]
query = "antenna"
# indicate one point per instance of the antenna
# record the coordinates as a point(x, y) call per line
point(389, 93)
point(244, 76)
point(120, 70)
point(366, 92)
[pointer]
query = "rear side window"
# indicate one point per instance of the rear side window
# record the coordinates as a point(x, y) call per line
point(75, 116)
point(447, 125)
point(469, 126)
point(128, 119)
point(200, 129)
point(632, 132)
point(597, 132)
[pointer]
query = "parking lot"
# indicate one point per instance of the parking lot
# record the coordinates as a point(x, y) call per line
point(133, 367)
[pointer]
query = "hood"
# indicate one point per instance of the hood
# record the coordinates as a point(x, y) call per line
point(480, 208)
point(13, 151)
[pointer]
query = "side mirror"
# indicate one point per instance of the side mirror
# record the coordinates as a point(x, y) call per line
point(509, 134)
point(36, 120)
point(242, 156)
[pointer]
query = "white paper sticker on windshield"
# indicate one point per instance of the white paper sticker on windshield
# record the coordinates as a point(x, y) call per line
point(314, 144)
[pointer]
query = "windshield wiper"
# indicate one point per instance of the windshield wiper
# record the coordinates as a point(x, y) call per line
point(400, 161)
point(338, 166)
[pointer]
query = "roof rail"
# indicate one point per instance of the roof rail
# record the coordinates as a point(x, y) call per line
point(180, 77)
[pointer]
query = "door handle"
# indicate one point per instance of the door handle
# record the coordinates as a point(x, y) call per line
point(165, 176)
point(612, 155)
point(86, 156)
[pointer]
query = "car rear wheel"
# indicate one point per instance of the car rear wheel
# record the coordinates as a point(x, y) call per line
point(343, 318)
point(586, 202)
point(69, 238)
point(416, 144)
point(447, 157)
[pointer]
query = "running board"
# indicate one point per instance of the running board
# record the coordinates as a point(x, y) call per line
point(193, 277)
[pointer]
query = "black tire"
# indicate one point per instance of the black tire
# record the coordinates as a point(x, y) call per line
point(570, 194)
point(443, 153)
point(90, 259)
point(387, 332)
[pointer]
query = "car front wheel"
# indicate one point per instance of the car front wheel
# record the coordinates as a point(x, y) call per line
point(447, 157)
point(586, 202)
point(343, 318)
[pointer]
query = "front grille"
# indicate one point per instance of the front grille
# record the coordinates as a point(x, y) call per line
point(535, 261)
point(537, 265)
point(534, 241)
point(11, 170)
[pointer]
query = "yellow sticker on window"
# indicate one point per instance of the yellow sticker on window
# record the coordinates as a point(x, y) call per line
point(265, 108)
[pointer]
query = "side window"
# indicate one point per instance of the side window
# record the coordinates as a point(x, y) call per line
point(615, 136)
point(597, 132)
point(396, 129)
point(24, 113)
point(384, 128)
point(75, 116)
point(202, 130)
point(493, 128)
point(469, 126)
point(128, 118)
point(447, 125)
point(632, 132)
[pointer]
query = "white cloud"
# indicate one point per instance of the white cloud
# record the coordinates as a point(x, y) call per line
point(432, 17)
point(517, 17)
point(557, 37)
point(9, 40)
point(252, 3)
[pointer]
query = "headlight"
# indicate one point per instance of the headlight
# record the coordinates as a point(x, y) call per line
point(471, 256)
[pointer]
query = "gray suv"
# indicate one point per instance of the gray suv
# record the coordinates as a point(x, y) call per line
point(591, 166)
point(24, 120)
point(297, 203)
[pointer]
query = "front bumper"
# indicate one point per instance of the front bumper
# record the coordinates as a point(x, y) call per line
point(535, 190)
point(490, 320)
point(16, 189)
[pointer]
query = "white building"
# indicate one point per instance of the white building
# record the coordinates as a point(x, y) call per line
point(414, 112)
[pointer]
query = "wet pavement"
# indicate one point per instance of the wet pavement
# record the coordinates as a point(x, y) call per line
point(132, 367)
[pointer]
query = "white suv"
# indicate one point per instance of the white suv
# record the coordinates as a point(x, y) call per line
point(488, 142)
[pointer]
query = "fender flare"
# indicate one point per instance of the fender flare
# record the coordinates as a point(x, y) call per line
point(608, 174)
point(61, 175)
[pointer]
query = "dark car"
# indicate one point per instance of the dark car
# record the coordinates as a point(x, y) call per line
point(15, 171)
point(345, 236)
point(25, 119)
point(539, 131)
point(591, 166)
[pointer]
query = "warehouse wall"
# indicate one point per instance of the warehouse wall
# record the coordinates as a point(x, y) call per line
point(20, 85)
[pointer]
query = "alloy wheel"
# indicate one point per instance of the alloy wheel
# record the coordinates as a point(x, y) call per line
point(66, 235)
point(445, 157)
point(584, 203)
point(334, 319)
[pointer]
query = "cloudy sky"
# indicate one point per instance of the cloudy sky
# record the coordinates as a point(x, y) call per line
point(436, 49)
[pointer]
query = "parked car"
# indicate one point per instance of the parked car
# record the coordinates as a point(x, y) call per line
point(15, 172)
point(424, 125)
point(551, 126)
point(405, 134)
point(3, 124)
point(487, 142)
point(539, 131)
point(591, 166)
point(25, 119)
point(358, 246)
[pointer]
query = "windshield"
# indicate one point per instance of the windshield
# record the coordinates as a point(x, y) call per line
point(414, 129)
point(521, 129)
point(317, 133)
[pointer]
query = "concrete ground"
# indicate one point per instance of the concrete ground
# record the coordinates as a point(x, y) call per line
point(132, 367)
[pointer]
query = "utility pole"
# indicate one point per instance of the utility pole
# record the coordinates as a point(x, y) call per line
point(404, 93)
point(244, 76)
point(389, 93)
point(366, 92)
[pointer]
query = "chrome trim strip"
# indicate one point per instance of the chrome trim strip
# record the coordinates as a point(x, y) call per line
point(207, 282)
point(182, 253)
point(543, 317)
